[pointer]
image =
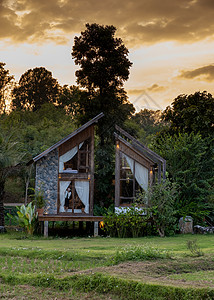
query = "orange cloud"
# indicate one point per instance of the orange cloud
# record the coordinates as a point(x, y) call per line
point(205, 73)
point(154, 88)
point(138, 22)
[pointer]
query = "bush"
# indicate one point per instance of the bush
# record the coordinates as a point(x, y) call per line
point(161, 202)
point(129, 223)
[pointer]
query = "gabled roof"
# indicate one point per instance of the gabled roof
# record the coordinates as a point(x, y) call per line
point(146, 152)
point(140, 147)
point(68, 137)
point(135, 150)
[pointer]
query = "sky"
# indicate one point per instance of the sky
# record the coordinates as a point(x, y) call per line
point(170, 42)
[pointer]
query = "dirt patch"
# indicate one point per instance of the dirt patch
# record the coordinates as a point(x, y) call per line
point(159, 271)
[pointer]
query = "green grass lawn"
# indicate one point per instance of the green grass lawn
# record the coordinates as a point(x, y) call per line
point(86, 267)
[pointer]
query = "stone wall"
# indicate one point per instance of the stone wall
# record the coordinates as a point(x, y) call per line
point(47, 180)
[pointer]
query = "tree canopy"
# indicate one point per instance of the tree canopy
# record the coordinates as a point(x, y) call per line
point(104, 67)
point(36, 87)
point(190, 163)
point(145, 124)
point(5, 80)
point(191, 113)
point(102, 58)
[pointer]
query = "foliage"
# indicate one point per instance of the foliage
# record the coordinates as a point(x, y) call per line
point(145, 125)
point(38, 130)
point(191, 113)
point(35, 131)
point(194, 248)
point(102, 58)
point(38, 197)
point(160, 200)
point(10, 155)
point(138, 252)
point(5, 85)
point(8, 220)
point(104, 67)
point(69, 99)
point(26, 217)
point(128, 223)
point(190, 164)
point(36, 87)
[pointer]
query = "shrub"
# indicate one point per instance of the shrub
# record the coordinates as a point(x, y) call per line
point(161, 202)
point(194, 248)
point(128, 223)
point(26, 217)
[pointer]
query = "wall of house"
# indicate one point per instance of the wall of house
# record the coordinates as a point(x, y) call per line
point(47, 179)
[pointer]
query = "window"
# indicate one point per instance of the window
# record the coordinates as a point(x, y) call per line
point(74, 196)
point(133, 179)
point(76, 160)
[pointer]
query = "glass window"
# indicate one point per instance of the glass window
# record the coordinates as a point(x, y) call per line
point(81, 160)
point(129, 187)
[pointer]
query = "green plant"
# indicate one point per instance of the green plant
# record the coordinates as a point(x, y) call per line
point(127, 223)
point(160, 200)
point(38, 197)
point(26, 217)
point(145, 252)
point(194, 248)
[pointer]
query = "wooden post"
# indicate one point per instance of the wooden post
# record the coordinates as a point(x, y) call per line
point(164, 170)
point(159, 173)
point(91, 179)
point(117, 175)
point(45, 228)
point(96, 227)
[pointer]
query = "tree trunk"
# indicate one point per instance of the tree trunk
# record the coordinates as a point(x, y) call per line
point(1, 203)
point(161, 232)
point(27, 182)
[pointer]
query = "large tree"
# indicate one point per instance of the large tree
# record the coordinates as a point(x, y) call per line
point(5, 83)
point(104, 67)
point(36, 87)
point(191, 113)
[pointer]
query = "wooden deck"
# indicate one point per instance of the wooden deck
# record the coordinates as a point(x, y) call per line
point(70, 218)
point(46, 218)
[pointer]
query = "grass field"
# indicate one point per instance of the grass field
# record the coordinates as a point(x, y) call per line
point(107, 268)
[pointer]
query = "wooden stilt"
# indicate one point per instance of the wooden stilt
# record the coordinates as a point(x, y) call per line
point(96, 227)
point(45, 228)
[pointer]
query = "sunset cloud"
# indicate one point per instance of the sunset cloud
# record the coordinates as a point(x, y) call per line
point(138, 22)
point(154, 88)
point(166, 40)
point(205, 73)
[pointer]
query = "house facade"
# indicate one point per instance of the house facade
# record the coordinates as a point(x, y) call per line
point(65, 173)
point(136, 169)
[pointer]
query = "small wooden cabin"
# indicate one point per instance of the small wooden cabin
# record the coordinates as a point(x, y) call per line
point(65, 174)
point(136, 168)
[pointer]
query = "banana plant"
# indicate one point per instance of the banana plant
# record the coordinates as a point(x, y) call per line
point(26, 217)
